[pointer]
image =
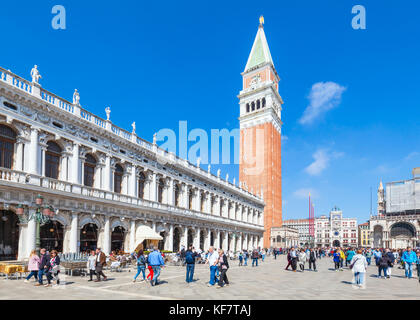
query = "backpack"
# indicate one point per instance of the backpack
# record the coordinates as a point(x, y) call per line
point(141, 261)
point(189, 257)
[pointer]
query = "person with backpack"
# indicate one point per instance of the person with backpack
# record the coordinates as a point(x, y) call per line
point(141, 265)
point(383, 264)
point(254, 257)
point(241, 258)
point(391, 262)
point(190, 256)
point(223, 267)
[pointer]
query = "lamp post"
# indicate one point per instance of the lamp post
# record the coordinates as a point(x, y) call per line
point(42, 215)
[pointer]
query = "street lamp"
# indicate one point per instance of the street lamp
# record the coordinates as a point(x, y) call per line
point(41, 216)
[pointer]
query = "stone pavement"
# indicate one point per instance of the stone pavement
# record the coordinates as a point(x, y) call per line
point(267, 281)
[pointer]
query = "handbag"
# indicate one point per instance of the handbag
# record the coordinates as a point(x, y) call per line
point(352, 265)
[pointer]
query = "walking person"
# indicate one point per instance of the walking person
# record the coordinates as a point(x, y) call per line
point(223, 267)
point(190, 256)
point(409, 258)
point(263, 253)
point(350, 254)
point(275, 252)
point(52, 269)
point(289, 261)
point(383, 264)
point(100, 262)
point(246, 256)
point(336, 259)
point(294, 259)
point(254, 257)
point(141, 265)
point(91, 264)
point(342, 258)
point(44, 258)
point(312, 259)
point(391, 262)
point(155, 260)
point(368, 255)
point(302, 259)
point(33, 266)
point(241, 258)
point(212, 260)
point(418, 265)
point(358, 265)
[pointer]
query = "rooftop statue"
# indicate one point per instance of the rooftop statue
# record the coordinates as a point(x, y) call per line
point(76, 98)
point(35, 74)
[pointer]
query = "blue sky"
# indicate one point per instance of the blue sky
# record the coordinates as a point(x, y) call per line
point(157, 63)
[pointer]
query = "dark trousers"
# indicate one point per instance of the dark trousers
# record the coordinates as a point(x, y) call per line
point(289, 263)
point(337, 265)
point(91, 274)
point(294, 264)
point(99, 272)
point(380, 271)
point(223, 277)
point(312, 263)
point(275, 257)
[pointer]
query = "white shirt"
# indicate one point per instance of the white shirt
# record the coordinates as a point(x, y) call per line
point(213, 258)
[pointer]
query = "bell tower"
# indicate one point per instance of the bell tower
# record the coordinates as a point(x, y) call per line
point(260, 127)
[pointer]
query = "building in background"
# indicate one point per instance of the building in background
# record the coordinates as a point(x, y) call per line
point(364, 238)
point(397, 223)
point(284, 237)
point(302, 225)
point(260, 125)
point(335, 230)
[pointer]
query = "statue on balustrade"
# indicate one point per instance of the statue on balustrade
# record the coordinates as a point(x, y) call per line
point(76, 98)
point(35, 74)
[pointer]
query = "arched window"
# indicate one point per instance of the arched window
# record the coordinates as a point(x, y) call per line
point(177, 194)
point(190, 199)
point(258, 104)
point(89, 170)
point(52, 160)
point(247, 107)
point(253, 106)
point(403, 229)
point(161, 186)
point(7, 142)
point(118, 177)
point(141, 183)
point(263, 103)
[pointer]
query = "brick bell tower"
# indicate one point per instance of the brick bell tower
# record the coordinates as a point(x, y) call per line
point(260, 125)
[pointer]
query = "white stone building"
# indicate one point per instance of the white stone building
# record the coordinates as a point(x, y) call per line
point(335, 230)
point(397, 224)
point(302, 225)
point(284, 237)
point(111, 188)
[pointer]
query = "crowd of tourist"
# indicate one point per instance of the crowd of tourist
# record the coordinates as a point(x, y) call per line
point(356, 259)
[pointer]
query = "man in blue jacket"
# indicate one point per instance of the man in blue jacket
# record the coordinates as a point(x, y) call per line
point(409, 258)
point(155, 260)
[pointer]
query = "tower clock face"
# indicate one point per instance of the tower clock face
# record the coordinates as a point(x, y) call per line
point(336, 233)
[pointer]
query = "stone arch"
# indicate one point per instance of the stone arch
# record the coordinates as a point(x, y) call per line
point(63, 219)
point(397, 229)
point(378, 235)
point(116, 222)
point(88, 219)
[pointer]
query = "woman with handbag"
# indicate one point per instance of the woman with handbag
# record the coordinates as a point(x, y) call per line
point(53, 268)
point(358, 265)
point(223, 267)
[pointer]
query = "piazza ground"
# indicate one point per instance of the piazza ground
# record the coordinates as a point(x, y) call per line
point(268, 281)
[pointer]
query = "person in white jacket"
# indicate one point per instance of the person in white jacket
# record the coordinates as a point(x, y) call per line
point(359, 267)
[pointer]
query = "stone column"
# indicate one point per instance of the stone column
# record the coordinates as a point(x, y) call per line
point(185, 196)
point(169, 243)
point(74, 233)
point(246, 242)
point(133, 182)
point(206, 239)
point(30, 235)
point(239, 242)
point(34, 152)
point(132, 235)
point(107, 237)
point(171, 192)
point(107, 174)
point(217, 240)
point(216, 209)
point(153, 188)
point(75, 164)
point(19, 155)
point(185, 238)
point(197, 194)
point(196, 241)
point(225, 241)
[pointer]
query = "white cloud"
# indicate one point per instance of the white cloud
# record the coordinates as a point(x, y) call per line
point(412, 155)
point(322, 160)
point(303, 193)
point(324, 96)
